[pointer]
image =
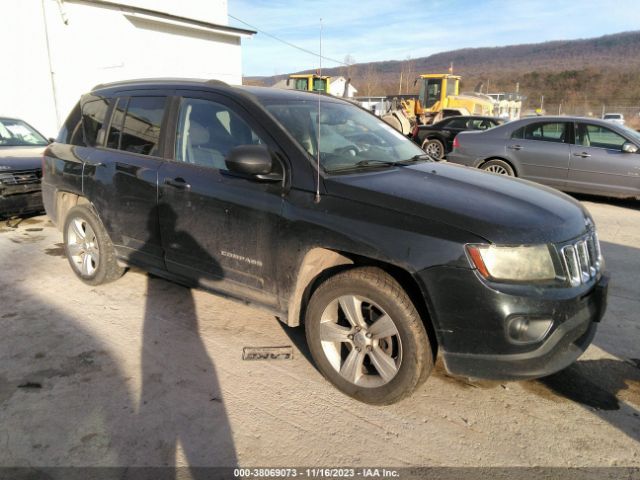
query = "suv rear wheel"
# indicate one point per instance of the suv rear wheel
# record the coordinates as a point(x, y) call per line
point(88, 247)
point(366, 336)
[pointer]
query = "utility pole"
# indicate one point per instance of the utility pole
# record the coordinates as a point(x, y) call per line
point(51, 72)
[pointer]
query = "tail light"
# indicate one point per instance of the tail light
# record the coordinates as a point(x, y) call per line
point(456, 142)
point(43, 162)
point(414, 132)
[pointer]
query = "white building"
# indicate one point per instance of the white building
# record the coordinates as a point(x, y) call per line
point(55, 50)
point(337, 85)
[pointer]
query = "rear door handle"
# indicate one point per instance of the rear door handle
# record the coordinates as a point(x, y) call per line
point(515, 147)
point(179, 183)
point(583, 155)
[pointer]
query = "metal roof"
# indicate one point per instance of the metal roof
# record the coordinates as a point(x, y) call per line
point(166, 16)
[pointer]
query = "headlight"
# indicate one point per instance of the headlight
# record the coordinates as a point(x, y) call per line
point(519, 263)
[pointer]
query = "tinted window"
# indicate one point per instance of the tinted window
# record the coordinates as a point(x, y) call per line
point(480, 124)
point(207, 131)
point(93, 117)
point(548, 132)
point(141, 129)
point(596, 136)
point(519, 133)
point(117, 117)
point(458, 123)
point(71, 131)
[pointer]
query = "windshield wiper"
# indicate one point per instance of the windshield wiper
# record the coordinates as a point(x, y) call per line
point(364, 164)
point(422, 156)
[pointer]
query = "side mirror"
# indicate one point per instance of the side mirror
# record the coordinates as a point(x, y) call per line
point(629, 147)
point(252, 161)
point(51, 140)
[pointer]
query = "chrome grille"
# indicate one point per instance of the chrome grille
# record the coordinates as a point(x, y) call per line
point(24, 177)
point(582, 259)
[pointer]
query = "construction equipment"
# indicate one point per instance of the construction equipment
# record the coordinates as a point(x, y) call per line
point(309, 82)
point(440, 97)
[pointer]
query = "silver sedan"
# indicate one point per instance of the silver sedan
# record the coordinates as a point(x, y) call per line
point(573, 154)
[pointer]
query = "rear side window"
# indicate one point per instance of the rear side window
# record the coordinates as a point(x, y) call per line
point(93, 117)
point(458, 123)
point(135, 126)
point(71, 131)
point(547, 132)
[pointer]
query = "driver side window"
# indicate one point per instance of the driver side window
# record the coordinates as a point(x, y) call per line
point(588, 135)
point(207, 131)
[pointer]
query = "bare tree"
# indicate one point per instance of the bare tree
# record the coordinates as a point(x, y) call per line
point(348, 70)
point(371, 80)
point(407, 74)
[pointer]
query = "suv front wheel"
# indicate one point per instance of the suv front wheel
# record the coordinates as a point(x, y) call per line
point(366, 336)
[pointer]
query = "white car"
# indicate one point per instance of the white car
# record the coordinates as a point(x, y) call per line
point(614, 118)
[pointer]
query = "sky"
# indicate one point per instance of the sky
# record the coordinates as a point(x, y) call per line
point(374, 30)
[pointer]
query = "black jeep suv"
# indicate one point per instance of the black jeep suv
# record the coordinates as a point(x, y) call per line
point(316, 210)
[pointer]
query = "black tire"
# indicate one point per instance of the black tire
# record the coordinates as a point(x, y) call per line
point(434, 147)
point(102, 263)
point(416, 357)
point(498, 166)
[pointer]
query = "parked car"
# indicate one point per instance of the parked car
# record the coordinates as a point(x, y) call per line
point(21, 148)
point(385, 256)
point(573, 154)
point(614, 118)
point(437, 139)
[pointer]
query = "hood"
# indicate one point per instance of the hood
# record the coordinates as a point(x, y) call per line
point(20, 158)
point(499, 209)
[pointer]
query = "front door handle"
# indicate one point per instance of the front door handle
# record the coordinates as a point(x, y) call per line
point(583, 155)
point(179, 183)
point(515, 147)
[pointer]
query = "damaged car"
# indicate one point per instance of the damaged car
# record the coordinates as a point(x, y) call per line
point(21, 148)
point(321, 213)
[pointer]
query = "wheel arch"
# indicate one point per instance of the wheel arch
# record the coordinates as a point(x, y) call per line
point(65, 201)
point(321, 263)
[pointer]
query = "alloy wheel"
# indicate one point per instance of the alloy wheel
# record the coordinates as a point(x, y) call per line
point(82, 246)
point(360, 341)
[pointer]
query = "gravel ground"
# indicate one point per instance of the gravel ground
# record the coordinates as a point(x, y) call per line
point(144, 372)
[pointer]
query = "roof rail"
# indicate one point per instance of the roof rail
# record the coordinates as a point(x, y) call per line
point(135, 81)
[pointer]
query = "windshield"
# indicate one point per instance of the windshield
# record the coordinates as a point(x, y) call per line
point(350, 137)
point(16, 133)
point(635, 135)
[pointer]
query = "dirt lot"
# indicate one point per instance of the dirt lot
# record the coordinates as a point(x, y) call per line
point(146, 372)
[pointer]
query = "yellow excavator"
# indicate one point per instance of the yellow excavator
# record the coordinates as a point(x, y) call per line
point(309, 82)
point(440, 97)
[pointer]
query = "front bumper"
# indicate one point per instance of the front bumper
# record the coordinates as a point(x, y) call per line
point(471, 317)
point(21, 203)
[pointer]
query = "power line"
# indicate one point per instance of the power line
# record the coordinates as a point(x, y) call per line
point(286, 42)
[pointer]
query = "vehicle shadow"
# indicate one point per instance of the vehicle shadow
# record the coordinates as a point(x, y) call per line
point(181, 404)
point(64, 399)
point(298, 338)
